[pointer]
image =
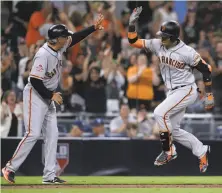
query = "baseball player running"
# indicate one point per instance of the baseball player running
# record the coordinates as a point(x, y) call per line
point(39, 98)
point(177, 61)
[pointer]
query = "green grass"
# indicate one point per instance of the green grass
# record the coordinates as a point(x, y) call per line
point(118, 180)
point(20, 180)
point(117, 190)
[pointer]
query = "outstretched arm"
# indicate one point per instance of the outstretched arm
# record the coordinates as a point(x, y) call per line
point(80, 35)
point(206, 69)
point(132, 34)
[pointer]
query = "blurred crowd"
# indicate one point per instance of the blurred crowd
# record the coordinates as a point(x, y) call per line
point(99, 73)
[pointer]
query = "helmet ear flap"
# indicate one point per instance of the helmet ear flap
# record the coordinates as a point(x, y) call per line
point(53, 41)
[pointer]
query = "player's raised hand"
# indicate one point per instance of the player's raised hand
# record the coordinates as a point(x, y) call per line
point(98, 22)
point(209, 101)
point(135, 15)
point(57, 98)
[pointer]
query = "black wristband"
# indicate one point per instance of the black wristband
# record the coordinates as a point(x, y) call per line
point(132, 41)
point(203, 68)
point(132, 28)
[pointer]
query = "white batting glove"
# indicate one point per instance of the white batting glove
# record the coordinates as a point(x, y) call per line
point(135, 15)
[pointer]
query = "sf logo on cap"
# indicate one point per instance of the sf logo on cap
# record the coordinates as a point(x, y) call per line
point(163, 28)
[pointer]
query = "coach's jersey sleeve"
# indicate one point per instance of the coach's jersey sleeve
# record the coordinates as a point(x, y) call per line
point(39, 67)
point(192, 57)
point(153, 45)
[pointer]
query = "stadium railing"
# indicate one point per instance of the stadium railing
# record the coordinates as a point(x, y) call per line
point(204, 126)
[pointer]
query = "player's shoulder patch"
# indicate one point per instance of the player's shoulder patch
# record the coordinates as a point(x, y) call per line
point(39, 68)
point(196, 59)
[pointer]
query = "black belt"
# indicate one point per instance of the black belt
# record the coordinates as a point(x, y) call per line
point(179, 87)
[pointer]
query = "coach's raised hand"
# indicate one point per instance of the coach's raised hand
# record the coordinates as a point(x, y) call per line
point(57, 98)
point(135, 15)
point(98, 22)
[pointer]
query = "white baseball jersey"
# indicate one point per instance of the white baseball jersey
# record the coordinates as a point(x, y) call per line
point(175, 63)
point(47, 65)
point(39, 116)
point(176, 68)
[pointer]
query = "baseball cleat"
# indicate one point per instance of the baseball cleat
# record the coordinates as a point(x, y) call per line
point(203, 161)
point(164, 158)
point(56, 180)
point(8, 175)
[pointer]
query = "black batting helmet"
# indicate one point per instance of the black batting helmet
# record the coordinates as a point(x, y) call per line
point(57, 31)
point(169, 29)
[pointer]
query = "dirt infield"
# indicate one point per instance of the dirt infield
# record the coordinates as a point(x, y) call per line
point(111, 186)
